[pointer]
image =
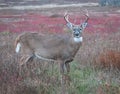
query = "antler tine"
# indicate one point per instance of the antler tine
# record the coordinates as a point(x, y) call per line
point(66, 17)
point(87, 16)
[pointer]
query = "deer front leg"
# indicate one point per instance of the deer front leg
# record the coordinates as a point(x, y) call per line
point(67, 64)
point(67, 76)
point(62, 67)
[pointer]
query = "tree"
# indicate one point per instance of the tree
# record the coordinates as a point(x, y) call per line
point(109, 2)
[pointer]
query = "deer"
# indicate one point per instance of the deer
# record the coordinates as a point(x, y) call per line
point(55, 48)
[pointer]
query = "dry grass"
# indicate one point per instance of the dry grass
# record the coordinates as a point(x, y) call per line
point(109, 59)
point(14, 80)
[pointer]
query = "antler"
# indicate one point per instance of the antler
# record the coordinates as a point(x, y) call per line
point(66, 17)
point(69, 24)
point(87, 16)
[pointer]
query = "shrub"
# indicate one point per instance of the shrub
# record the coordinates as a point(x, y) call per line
point(109, 59)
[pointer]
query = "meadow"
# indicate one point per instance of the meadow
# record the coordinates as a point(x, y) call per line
point(95, 69)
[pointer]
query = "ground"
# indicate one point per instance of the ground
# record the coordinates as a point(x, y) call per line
point(91, 71)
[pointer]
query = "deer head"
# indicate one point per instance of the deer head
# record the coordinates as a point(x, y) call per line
point(76, 29)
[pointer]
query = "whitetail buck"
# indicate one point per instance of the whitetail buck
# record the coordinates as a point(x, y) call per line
point(52, 48)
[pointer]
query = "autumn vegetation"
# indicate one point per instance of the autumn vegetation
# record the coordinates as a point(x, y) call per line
point(95, 70)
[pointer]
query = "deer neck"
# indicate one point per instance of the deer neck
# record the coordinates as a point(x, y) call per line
point(74, 45)
point(76, 42)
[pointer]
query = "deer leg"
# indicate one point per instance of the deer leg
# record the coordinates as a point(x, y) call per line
point(23, 61)
point(62, 73)
point(26, 59)
point(29, 58)
point(67, 65)
point(67, 77)
point(62, 68)
point(63, 89)
point(52, 67)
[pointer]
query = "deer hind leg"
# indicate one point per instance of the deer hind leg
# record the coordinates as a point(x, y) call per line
point(23, 61)
point(61, 71)
point(26, 59)
point(52, 63)
point(63, 89)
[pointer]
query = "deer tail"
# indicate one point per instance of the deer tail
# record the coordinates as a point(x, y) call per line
point(17, 45)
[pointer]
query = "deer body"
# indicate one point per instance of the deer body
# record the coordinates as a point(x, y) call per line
point(60, 48)
point(49, 47)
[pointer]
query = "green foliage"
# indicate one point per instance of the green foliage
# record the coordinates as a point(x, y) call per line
point(5, 33)
point(82, 80)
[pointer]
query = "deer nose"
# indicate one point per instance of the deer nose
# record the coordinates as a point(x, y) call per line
point(76, 33)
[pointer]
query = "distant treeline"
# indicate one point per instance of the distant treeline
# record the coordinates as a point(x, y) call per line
point(109, 2)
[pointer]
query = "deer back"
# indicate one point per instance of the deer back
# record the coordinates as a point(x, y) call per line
point(51, 47)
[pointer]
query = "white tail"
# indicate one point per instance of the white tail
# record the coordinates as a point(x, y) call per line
point(60, 48)
point(17, 50)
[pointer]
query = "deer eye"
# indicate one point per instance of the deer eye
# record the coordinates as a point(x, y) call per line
point(80, 29)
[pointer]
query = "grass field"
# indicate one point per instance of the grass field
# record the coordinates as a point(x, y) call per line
point(95, 70)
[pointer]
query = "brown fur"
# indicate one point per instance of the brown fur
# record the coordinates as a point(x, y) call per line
point(53, 47)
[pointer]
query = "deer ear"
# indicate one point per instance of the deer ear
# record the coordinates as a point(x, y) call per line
point(70, 25)
point(84, 25)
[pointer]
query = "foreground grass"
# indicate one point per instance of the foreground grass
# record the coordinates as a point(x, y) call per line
point(90, 81)
point(41, 77)
point(85, 80)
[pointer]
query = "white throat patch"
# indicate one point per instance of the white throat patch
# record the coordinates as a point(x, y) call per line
point(80, 39)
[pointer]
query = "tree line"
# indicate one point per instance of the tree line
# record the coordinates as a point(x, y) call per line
point(109, 2)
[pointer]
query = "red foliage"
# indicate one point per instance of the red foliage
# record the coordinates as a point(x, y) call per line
point(37, 22)
point(109, 59)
